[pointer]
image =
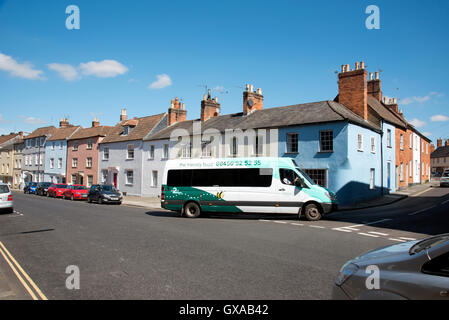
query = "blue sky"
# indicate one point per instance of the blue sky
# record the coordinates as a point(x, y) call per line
point(290, 49)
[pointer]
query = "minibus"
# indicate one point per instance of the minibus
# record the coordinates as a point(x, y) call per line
point(243, 185)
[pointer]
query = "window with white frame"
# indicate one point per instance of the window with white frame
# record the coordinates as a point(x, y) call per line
point(129, 177)
point(53, 145)
point(36, 160)
point(234, 147)
point(326, 141)
point(90, 181)
point(52, 163)
point(104, 176)
point(373, 145)
point(166, 151)
point(401, 172)
point(89, 162)
point(206, 149)
point(41, 157)
point(73, 178)
point(410, 141)
point(360, 142)
point(258, 147)
point(186, 151)
point(106, 153)
point(411, 168)
point(401, 144)
point(74, 162)
point(60, 145)
point(292, 142)
point(372, 178)
point(89, 144)
point(59, 163)
point(75, 146)
point(154, 178)
point(389, 138)
point(130, 152)
point(151, 155)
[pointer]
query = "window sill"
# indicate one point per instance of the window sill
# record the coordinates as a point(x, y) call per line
point(360, 151)
point(129, 159)
point(325, 151)
point(292, 153)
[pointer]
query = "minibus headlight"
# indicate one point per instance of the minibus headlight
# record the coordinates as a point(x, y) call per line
point(331, 196)
point(346, 271)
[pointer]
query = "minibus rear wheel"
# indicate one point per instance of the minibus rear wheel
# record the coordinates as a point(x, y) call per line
point(192, 210)
point(312, 212)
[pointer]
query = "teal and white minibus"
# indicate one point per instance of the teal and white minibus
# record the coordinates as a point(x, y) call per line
point(250, 185)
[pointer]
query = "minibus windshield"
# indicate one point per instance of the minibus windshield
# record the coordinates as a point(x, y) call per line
point(305, 176)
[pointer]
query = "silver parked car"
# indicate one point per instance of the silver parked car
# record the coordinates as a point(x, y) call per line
point(444, 180)
point(411, 270)
point(6, 203)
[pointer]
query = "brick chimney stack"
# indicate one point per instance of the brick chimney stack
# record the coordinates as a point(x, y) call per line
point(123, 116)
point(209, 107)
point(374, 86)
point(252, 99)
point(64, 123)
point(432, 148)
point(176, 112)
point(353, 89)
point(446, 143)
point(95, 123)
point(439, 143)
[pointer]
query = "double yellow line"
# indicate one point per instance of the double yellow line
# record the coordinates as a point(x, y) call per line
point(23, 277)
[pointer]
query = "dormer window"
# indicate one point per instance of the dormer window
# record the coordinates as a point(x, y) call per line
point(126, 130)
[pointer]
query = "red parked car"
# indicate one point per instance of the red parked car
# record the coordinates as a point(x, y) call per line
point(76, 192)
point(57, 190)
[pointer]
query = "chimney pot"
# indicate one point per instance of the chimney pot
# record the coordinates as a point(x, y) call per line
point(343, 68)
point(123, 116)
point(377, 75)
point(371, 76)
point(356, 66)
point(259, 91)
point(362, 65)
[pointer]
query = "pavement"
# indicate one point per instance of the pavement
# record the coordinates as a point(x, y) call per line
point(127, 252)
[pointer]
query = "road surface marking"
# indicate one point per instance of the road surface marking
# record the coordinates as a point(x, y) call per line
point(297, 224)
point(445, 202)
point(368, 235)
point(14, 264)
point(408, 239)
point(378, 233)
point(264, 220)
point(318, 227)
point(342, 230)
point(281, 222)
point(353, 227)
point(420, 193)
point(421, 211)
point(398, 240)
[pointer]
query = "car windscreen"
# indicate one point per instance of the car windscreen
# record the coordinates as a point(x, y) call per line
point(306, 176)
point(46, 184)
point(429, 243)
point(79, 188)
point(108, 189)
point(4, 189)
point(446, 174)
point(62, 186)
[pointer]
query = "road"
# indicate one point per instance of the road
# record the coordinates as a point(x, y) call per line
point(134, 253)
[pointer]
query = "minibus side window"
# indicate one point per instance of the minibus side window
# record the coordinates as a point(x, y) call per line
point(290, 177)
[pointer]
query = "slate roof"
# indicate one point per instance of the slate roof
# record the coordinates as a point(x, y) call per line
point(300, 114)
point(91, 132)
point(63, 133)
point(40, 132)
point(384, 113)
point(142, 127)
point(440, 152)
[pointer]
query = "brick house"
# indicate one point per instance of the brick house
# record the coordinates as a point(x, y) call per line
point(82, 154)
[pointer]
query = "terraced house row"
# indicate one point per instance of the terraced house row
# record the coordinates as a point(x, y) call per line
point(357, 144)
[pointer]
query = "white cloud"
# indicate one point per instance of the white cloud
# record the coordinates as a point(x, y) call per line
point(411, 100)
point(439, 118)
point(427, 134)
point(66, 71)
point(417, 123)
point(32, 120)
point(103, 69)
point(163, 80)
point(21, 70)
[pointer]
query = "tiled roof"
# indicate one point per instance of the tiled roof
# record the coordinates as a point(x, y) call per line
point(7, 137)
point(440, 152)
point(300, 114)
point(91, 132)
point(142, 127)
point(40, 132)
point(63, 133)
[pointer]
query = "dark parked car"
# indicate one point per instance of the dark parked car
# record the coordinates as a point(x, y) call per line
point(42, 188)
point(416, 270)
point(104, 194)
point(30, 187)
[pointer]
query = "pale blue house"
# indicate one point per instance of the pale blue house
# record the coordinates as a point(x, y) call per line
point(56, 153)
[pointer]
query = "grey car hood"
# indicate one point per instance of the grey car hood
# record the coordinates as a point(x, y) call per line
point(400, 249)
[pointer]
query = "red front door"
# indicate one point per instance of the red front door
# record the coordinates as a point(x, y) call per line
point(115, 180)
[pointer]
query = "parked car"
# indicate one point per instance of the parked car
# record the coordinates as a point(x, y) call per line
point(76, 192)
point(104, 194)
point(410, 270)
point(42, 188)
point(6, 202)
point(57, 190)
point(444, 181)
point(30, 187)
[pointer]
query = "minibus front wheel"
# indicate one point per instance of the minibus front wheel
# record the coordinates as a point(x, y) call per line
point(312, 212)
point(192, 210)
